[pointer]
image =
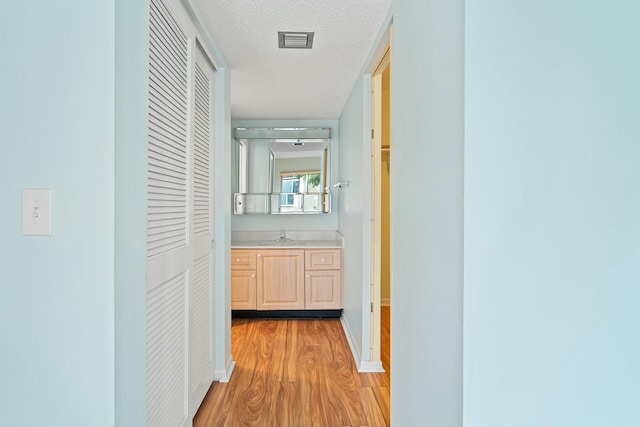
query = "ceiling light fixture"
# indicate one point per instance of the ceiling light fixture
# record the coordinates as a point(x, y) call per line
point(295, 40)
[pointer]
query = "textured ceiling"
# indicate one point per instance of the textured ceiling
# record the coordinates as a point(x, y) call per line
point(272, 83)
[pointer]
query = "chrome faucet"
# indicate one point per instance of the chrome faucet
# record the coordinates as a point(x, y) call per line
point(283, 235)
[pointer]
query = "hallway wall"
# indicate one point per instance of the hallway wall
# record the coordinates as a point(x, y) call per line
point(427, 103)
point(72, 305)
point(551, 165)
point(552, 214)
point(56, 292)
point(355, 213)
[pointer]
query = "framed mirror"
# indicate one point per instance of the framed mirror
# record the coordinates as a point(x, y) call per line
point(282, 172)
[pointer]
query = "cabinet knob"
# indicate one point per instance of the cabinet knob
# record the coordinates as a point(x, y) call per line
point(259, 255)
point(308, 275)
point(237, 259)
point(322, 260)
point(253, 275)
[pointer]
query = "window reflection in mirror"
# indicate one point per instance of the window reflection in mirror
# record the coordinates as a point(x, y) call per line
point(293, 183)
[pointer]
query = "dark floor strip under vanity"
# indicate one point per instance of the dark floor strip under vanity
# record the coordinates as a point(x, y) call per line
point(286, 314)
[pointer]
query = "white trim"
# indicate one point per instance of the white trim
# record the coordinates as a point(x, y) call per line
point(362, 365)
point(370, 366)
point(351, 341)
point(203, 34)
point(366, 216)
point(224, 376)
point(385, 301)
point(382, 40)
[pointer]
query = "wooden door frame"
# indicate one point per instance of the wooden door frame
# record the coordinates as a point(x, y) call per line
point(376, 205)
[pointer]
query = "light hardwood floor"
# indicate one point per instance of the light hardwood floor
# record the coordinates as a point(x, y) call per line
point(294, 373)
point(385, 338)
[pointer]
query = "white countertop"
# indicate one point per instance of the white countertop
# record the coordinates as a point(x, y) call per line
point(294, 239)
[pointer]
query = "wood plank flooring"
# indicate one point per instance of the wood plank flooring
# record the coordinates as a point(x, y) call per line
point(385, 337)
point(294, 373)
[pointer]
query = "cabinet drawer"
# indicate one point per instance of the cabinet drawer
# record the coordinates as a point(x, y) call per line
point(243, 259)
point(323, 259)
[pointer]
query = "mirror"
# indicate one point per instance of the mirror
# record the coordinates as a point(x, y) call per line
point(282, 175)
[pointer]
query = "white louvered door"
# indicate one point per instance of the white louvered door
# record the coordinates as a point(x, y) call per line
point(201, 292)
point(168, 251)
point(179, 347)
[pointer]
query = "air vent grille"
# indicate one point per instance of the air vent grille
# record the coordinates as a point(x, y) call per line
point(295, 40)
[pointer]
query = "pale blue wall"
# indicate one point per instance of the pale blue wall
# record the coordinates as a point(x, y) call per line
point(131, 211)
point(426, 210)
point(552, 214)
point(56, 293)
point(427, 126)
point(354, 211)
point(222, 214)
point(290, 222)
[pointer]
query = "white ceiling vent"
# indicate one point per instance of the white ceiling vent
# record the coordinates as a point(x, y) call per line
point(295, 40)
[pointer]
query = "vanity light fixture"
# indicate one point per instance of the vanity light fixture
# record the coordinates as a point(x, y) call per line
point(295, 39)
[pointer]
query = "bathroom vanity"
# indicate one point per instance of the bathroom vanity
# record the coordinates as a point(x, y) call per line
point(275, 274)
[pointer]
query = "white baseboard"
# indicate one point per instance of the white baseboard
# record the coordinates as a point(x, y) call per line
point(371, 366)
point(224, 375)
point(363, 365)
point(385, 301)
point(351, 341)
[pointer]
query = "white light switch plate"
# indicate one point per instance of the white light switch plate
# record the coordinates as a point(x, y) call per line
point(36, 212)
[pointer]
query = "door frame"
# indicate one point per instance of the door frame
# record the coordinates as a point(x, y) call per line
point(383, 62)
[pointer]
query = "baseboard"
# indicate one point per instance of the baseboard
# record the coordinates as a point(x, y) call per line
point(363, 365)
point(351, 342)
point(370, 366)
point(224, 375)
point(385, 301)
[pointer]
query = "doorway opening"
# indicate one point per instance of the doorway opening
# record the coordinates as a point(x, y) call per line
point(381, 211)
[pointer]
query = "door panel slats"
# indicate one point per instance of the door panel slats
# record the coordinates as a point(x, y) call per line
point(179, 200)
point(167, 160)
point(166, 358)
point(200, 321)
point(202, 137)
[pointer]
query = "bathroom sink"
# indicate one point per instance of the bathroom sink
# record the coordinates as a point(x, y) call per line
point(282, 243)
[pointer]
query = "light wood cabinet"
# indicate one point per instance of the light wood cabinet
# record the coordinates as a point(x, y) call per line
point(323, 279)
point(243, 279)
point(286, 279)
point(243, 259)
point(280, 279)
point(243, 290)
point(322, 290)
point(323, 259)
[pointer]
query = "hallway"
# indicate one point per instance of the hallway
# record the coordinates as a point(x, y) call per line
point(294, 373)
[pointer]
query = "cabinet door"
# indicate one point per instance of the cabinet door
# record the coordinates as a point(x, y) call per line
point(280, 279)
point(243, 289)
point(323, 290)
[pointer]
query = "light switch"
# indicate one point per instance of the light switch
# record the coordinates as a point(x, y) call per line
point(36, 212)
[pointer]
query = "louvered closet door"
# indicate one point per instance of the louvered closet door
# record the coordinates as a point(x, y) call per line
point(169, 254)
point(201, 295)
